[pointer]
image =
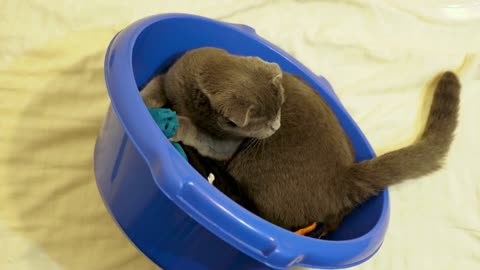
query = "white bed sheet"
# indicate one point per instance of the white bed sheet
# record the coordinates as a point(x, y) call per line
point(378, 55)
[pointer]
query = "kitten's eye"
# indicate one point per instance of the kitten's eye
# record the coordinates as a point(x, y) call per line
point(231, 123)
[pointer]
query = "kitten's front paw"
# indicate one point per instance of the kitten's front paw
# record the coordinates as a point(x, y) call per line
point(152, 94)
point(178, 137)
point(175, 138)
point(219, 150)
point(153, 103)
point(181, 132)
point(215, 155)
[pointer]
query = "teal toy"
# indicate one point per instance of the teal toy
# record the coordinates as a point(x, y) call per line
point(167, 121)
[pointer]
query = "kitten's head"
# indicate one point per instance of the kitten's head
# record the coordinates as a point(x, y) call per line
point(245, 93)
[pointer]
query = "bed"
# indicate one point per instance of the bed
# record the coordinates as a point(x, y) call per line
point(380, 57)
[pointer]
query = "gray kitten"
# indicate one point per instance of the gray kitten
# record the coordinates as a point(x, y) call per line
point(304, 171)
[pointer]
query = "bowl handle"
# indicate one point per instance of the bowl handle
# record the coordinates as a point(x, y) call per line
point(194, 197)
point(243, 27)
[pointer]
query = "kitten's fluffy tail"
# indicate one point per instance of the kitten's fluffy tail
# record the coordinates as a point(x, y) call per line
point(421, 158)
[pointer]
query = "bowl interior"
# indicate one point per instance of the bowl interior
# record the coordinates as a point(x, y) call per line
point(157, 47)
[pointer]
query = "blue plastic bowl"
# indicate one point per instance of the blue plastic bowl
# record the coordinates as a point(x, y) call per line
point(172, 214)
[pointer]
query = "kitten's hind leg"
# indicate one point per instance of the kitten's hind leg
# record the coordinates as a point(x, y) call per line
point(330, 224)
point(152, 93)
point(206, 144)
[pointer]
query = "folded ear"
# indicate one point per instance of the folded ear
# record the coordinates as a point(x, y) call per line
point(275, 68)
point(215, 99)
point(277, 80)
point(239, 115)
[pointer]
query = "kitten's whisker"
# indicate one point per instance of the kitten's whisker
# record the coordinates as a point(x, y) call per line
point(253, 144)
point(263, 145)
point(248, 144)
